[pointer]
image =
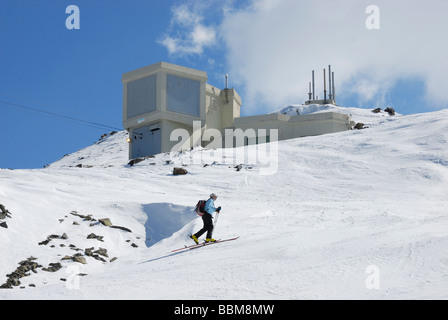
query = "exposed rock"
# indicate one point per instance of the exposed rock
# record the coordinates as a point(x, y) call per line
point(95, 254)
point(377, 110)
point(106, 222)
point(121, 228)
point(94, 236)
point(179, 171)
point(359, 126)
point(79, 258)
point(86, 218)
point(45, 242)
point(102, 252)
point(135, 161)
point(4, 225)
point(51, 237)
point(390, 110)
point(107, 135)
point(21, 271)
point(138, 160)
point(53, 267)
point(4, 213)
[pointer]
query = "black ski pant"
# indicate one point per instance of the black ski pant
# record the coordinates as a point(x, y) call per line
point(208, 226)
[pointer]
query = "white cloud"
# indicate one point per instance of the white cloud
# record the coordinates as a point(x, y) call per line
point(203, 36)
point(187, 33)
point(272, 46)
point(183, 15)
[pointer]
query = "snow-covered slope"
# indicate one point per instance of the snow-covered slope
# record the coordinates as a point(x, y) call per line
point(365, 116)
point(339, 205)
point(110, 150)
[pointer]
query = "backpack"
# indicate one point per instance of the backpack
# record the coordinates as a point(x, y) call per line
point(200, 208)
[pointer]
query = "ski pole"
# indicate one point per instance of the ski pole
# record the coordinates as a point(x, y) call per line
point(216, 219)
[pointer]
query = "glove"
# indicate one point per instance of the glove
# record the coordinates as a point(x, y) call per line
point(219, 209)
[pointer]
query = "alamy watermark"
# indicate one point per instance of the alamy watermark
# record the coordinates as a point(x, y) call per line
point(373, 278)
point(73, 278)
point(250, 146)
point(373, 20)
point(73, 21)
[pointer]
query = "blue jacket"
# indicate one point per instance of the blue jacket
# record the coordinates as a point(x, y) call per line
point(210, 206)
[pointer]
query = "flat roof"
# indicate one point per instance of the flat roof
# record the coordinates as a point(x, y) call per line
point(167, 67)
point(292, 119)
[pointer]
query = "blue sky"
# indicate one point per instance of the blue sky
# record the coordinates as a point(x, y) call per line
point(268, 47)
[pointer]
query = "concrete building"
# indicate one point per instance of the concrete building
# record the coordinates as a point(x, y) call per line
point(163, 97)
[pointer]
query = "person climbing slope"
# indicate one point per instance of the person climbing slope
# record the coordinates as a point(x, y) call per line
point(207, 218)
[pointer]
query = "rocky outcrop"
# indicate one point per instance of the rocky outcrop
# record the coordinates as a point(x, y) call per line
point(96, 254)
point(3, 215)
point(105, 222)
point(85, 218)
point(390, 111)
point(53, 267)
point(26, 266)
point(179, 171)
point(121, 228)
point(82, 256)
point(51, 237)
point(138, 160)
point(94, 236)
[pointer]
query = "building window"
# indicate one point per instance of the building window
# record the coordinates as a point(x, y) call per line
point(182, 95)
point(141, 95)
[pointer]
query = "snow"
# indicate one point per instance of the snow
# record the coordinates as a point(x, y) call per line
point(338, 205)
point(365, 116)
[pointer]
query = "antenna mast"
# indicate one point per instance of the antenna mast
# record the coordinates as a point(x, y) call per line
point(325, 88)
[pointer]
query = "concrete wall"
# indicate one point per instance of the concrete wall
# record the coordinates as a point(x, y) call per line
point(223, 106)
point(290, 127)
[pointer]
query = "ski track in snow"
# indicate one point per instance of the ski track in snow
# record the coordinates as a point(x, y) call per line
point(338, 204)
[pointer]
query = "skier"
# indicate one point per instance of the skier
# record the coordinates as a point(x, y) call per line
point(209, 209)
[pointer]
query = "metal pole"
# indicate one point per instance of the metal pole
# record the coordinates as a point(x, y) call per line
point(314, 96)
point(334, 92)
point(329, 80)
point(325, 87)
point(227, 89)
point(309, 93)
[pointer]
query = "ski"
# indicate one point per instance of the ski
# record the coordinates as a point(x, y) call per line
point(195, 246)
